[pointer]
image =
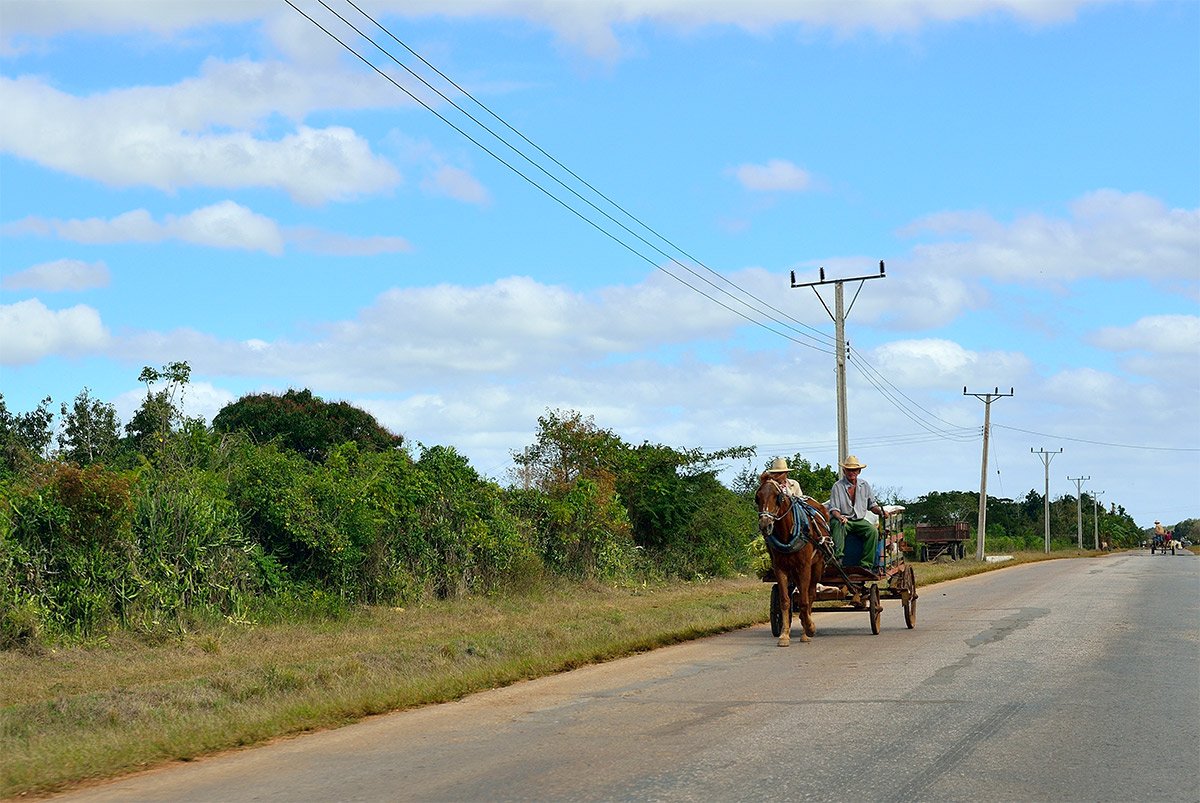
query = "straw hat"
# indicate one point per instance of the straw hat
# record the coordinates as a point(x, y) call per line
point(852, 462)
point(777, 465)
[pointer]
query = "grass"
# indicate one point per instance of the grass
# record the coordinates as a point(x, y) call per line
point(74, 714)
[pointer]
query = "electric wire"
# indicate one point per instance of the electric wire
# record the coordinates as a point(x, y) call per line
point(564, 167)
point(1142, 447)
point(562, 184)
point(883, 391)
point(956, 434)
point(912, 410)
point(861, 363)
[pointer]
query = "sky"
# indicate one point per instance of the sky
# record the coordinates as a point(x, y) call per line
point(502, 209)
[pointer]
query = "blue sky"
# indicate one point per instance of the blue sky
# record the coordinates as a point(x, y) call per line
point(224, 184)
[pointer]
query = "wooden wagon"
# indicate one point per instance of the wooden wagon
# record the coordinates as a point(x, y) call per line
point(853, 588)
point(935, 540)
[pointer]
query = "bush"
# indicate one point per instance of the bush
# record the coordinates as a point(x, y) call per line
point(68, 545)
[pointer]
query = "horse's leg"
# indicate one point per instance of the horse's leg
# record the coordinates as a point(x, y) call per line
point(816, 569)
point(809, 596)
point(785, 602)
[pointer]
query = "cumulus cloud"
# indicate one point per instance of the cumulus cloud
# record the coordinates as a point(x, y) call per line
point(226, 225)
point(1164, 334)
point(222, 225)
point(316, 241)
point(938, 363)
point(1165, 348)
point(514, 327)
point(456, 183)
point(1108, 234)
point(30, 331)
point(59, 275)
point(589, 25)
point(123, 142)
point(777, 175)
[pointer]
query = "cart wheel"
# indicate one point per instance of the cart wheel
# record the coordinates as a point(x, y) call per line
point(909, 599)
point(875, 607)
point(776, 611)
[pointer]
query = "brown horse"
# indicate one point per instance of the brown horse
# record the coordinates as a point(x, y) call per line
point(793, 535)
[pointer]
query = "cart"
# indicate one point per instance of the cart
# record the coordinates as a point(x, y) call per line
point(852, 588)
point(936, 540)
point(1162, 543)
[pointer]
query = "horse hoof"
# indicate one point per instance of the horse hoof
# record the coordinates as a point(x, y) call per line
point(785, 642)
point(804, 637)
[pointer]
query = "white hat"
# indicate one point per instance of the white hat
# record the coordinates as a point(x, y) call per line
point(852, 462)
point(778, 464)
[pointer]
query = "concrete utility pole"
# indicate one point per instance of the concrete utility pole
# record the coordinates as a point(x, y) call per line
point(838, 315)
point(1096, 519)
point(987, 399)
point(1046, 458)
point(1079, 481)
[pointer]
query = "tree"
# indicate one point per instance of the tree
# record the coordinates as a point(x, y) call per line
point(90, 430)
point(305, 423)
point(24, 436)
point(569, 447)
point(162, 410)
point(815, 480)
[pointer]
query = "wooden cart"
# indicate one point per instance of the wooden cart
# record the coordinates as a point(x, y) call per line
point(935, 540)
point(852, 588)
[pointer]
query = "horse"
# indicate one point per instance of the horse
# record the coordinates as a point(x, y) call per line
point(793, 531)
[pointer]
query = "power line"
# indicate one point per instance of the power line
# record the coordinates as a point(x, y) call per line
point(1103, 443)
point(878, 381)
point(912, 410)
point(558, 163)
point(550, 194)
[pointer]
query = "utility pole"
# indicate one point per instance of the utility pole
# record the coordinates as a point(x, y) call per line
point(1046, 458)
point(987, 399)
point(838, 315)
point(1079, 481)
point(1096, 519)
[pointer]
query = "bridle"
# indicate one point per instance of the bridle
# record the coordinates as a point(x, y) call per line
point(765, 515)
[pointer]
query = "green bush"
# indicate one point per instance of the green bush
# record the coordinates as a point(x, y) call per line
point(68, 545)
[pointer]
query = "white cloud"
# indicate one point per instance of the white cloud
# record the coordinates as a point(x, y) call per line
point(226, 225)
point(222, 225)
point(456, 183)
point(936, 363)
point(777, 175)
point(1109, 234)
point(1162, 334)
point(122, 141)
point(1164, 348)
point(587, 24)
point(60, 275)
point(29, 331)
point(319, 242)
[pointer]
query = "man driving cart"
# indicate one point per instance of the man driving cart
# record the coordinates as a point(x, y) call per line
point(849, 501)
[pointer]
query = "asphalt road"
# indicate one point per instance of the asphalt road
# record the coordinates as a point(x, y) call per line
point(1069, 680)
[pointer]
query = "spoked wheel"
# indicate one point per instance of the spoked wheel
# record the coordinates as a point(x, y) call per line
point(776, 611)
point(909, 598)
point(875, 607)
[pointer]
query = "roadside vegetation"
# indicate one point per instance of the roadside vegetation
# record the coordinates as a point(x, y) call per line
point(127, 701)
point(171, 587)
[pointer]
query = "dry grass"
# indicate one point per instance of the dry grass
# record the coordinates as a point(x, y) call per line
point(83, 713)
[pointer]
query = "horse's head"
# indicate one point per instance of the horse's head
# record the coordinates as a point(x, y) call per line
point(774, 504)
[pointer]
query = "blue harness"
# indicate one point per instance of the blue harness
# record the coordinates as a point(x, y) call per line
point(801, 529)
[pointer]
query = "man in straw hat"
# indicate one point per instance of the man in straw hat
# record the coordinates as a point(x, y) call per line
point(849, 501)
point(778, 471)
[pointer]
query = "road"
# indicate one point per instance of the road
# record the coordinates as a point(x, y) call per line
point(1064, 680)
